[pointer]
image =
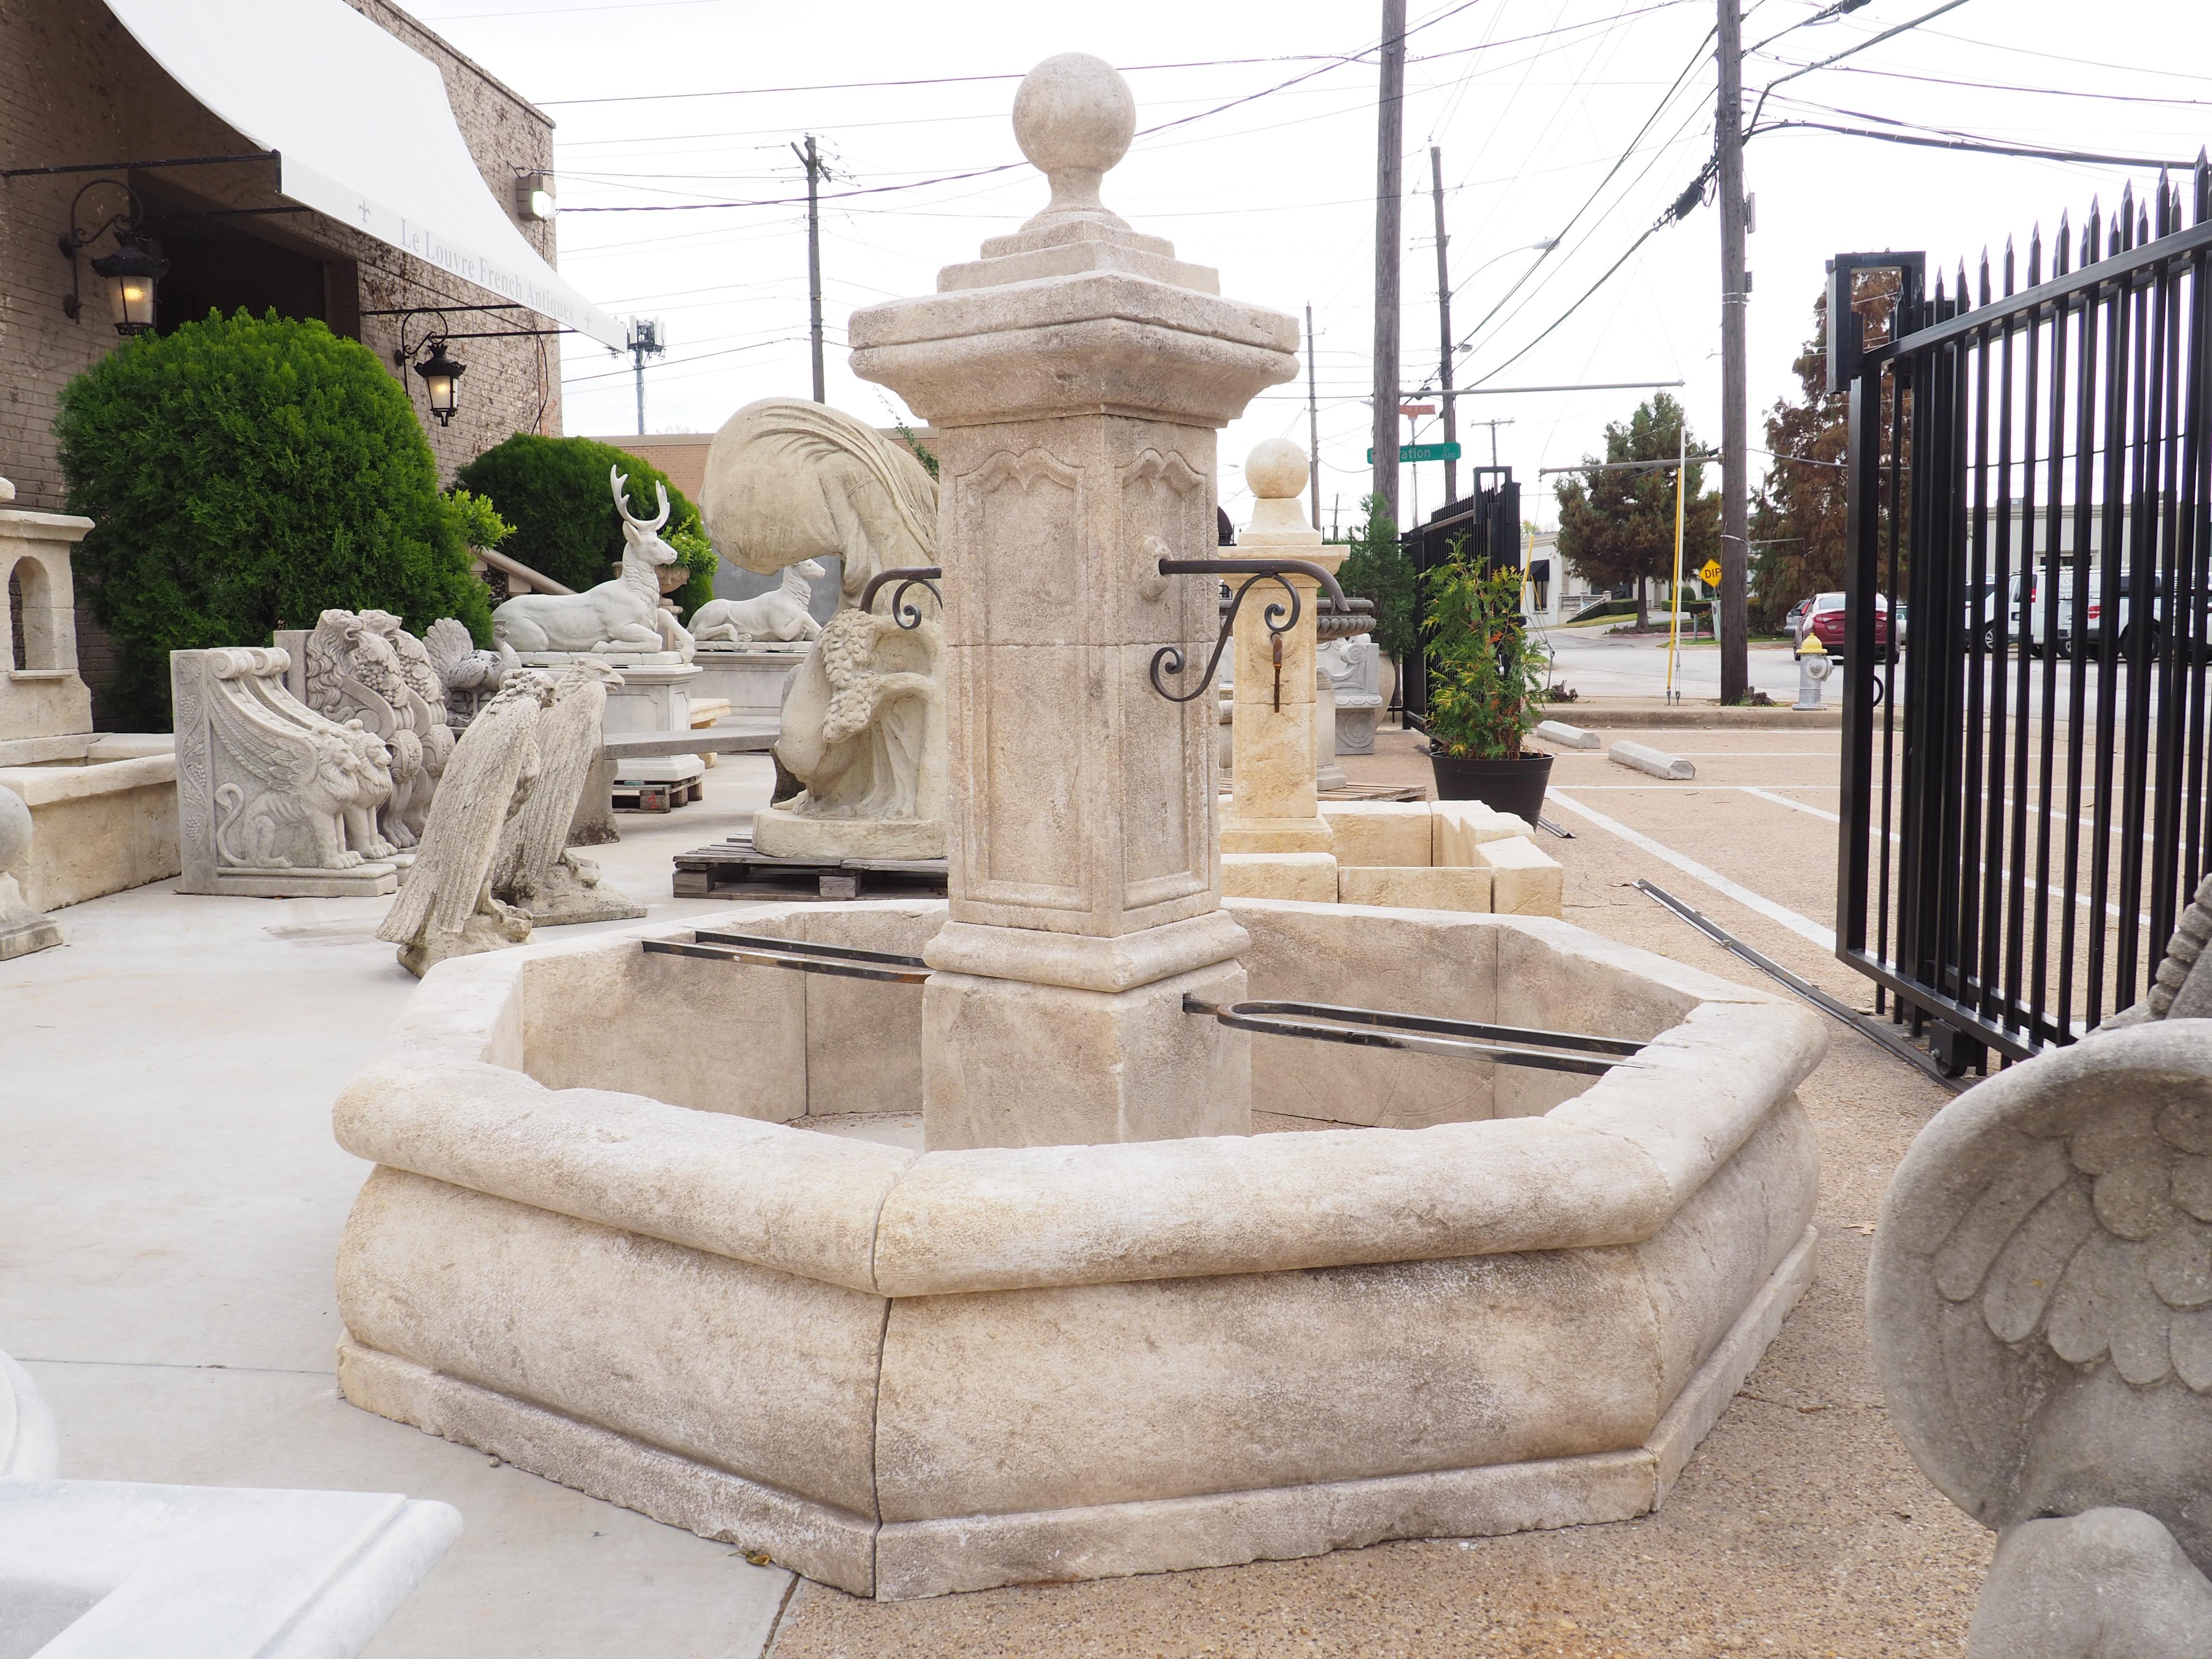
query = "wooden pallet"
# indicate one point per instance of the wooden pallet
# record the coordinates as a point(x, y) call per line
point(657, 797)
point(733, 870)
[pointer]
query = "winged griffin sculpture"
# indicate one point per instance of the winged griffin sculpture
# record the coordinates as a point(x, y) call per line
point(623, 615)
point(364, 666)
point(2041, 1306)
point(864, 719)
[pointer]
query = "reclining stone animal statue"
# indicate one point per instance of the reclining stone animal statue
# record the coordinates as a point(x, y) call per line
point(622, 616)
point(535, 871)
point(863, 723)
point(364, 666)
point(467, 676)
point(446, 906)
point(779, 614)
point(273, 799)
point(2040, 1302)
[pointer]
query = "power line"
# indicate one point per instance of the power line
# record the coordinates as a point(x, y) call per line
point(1849, 51)
point(1650, 121)
point(1973, 146)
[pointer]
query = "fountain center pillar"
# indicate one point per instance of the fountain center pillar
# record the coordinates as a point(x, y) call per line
point(1077, 373)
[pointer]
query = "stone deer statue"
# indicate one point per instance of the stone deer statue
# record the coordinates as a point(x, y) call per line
point(623, 615)
point(781, 614)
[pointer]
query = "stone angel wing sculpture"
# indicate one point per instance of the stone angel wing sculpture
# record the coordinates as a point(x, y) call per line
point(2040, 1300)
point(535, 872)
point(445, 907)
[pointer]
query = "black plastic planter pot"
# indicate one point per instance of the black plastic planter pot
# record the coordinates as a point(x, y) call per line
point(1504, 786)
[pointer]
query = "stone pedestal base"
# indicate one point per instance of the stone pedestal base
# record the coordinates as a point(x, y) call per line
point(1310, 835)
point(1355, 724)
point(751, 679)
point(660, 769)
point(362, 881)
point(1010, 1063)
point(574, 893)
point(785, 835)
point(20, 937)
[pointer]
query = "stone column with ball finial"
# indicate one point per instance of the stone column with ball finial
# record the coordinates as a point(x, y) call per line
point(1273, 807)
point(1077, 373)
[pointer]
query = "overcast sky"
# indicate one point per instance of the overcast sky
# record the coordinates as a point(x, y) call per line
point(1536, 104)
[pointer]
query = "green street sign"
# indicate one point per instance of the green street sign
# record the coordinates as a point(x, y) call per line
point(1422, 453)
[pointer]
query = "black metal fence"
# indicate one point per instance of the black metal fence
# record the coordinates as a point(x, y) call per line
point(1489, 522)
point(2025, 810)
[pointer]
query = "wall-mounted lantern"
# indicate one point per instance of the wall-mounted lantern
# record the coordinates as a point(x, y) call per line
point(534, 197)
point(132, 273)
point(441, 380)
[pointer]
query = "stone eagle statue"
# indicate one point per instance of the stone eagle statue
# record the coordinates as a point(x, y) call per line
point(2040, 1302)
point(446, 906)
point(535, 872)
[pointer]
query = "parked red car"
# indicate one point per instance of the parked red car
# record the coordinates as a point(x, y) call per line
point(1824, 618)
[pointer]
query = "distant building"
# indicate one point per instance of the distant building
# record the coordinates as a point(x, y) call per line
point(402, 185)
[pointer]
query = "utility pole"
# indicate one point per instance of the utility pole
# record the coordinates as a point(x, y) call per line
point(1493, 426)
point(1313, 422)
point(1735, 391)
point(1444, 317)
point(1389, 202)
point(643, 340)
point(813, 158)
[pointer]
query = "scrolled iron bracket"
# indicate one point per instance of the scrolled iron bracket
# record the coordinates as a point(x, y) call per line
point(1280, 618)
point(907, 576)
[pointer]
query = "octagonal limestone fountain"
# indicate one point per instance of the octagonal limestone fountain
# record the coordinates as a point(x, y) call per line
point(964, 1261)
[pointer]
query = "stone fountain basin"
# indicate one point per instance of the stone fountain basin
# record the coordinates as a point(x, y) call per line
point(604, 1243)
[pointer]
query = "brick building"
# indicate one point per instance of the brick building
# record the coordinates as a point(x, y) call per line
point(77, 89)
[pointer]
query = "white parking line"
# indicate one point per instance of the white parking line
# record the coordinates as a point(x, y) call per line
point(1802, 926)
point(1784, 800)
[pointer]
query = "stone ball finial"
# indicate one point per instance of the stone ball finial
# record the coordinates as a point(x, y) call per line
point(7, 490)
point(1073, 118)
point(1276, 469)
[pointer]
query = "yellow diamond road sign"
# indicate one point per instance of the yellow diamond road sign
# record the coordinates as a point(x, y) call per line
point(1711, 575)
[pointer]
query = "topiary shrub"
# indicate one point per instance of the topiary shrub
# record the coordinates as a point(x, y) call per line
point(554, 492)
point(245, 475)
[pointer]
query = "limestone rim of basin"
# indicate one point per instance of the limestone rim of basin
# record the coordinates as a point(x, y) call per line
point(1607, 1167)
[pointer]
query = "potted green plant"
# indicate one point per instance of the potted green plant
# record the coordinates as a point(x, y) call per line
point(1487, 678)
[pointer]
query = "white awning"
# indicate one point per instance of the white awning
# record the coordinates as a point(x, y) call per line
point(363, 133)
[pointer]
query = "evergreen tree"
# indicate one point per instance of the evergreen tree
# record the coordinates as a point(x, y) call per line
point(1799, 516)
point(1618, 528)
point(243, 474)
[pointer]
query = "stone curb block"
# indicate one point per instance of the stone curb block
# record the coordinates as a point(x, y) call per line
point(1568, 737)
point(1641, 757)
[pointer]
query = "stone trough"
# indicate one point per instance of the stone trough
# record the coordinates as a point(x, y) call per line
point(661, 1229)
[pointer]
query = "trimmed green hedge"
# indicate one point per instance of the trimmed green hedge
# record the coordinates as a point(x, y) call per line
point(245, 475)
point(554, 491)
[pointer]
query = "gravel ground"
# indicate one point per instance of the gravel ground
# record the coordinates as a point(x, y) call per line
point(1800, 1528)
